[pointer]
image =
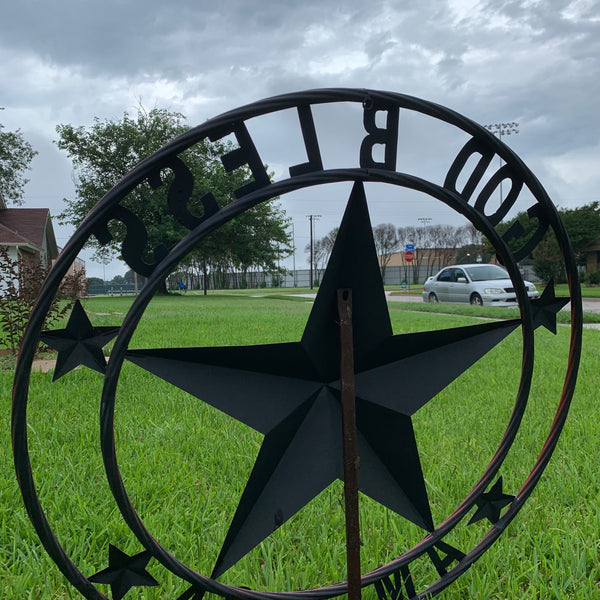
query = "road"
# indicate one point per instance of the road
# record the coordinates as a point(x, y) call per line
point(589, 304)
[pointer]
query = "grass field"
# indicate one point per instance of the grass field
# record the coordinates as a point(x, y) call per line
point(185, 465)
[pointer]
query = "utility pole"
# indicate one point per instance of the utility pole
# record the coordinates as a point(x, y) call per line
point(424, 223)
point(312, 219)
point(294, 254)
point(500, 129)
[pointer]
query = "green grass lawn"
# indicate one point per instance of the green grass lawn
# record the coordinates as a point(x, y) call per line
point(587, 291)
point(185, 465)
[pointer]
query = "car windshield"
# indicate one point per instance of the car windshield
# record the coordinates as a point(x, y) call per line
point(487, 272)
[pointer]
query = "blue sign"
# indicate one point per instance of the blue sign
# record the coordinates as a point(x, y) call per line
point(409, 248)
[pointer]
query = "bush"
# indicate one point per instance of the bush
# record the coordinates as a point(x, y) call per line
point(22, 280)
point(593, 277)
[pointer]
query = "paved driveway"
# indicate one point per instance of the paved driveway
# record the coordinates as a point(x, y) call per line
point(589, 304)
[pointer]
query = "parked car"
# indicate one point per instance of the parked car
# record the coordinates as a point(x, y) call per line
point(481, 284)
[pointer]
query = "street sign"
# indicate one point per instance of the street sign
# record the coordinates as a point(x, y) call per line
point(409, 248)
point(409, 256)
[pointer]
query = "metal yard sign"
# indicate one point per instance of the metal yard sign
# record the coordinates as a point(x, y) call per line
point(341, 403)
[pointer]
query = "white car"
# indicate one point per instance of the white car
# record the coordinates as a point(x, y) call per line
point(482, 284)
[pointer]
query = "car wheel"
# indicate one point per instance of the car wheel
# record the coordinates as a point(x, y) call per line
point(476, 299)
point(433, 297)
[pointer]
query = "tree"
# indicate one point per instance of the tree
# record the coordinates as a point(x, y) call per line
point(421, 238)
point(386, 243)
point(547, 259)
point(582, 225)
point(472, 247)
point(118, 280)
point(322, 250)
point(15, 156)
point(103, 153)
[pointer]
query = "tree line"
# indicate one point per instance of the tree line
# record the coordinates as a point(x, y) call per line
point(101, 154)
point(583, 227)
point(447, 242)
point(258, 239)
point(104, 152)
point(464, 244)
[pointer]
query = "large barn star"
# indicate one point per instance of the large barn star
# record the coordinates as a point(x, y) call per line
point(290, 393)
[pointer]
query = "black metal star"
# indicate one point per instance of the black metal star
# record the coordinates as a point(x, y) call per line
point(80, 343)
point(290, 392)
point(491, 503)
point(546, 307)
point(125, 572)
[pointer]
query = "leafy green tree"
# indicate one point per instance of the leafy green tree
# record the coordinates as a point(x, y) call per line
point(107, 150)
point(547, 260)
point(16, 155)
point(583, 227)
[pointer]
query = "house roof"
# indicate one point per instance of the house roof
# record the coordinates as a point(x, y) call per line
point(8, 236)
point(27, 226)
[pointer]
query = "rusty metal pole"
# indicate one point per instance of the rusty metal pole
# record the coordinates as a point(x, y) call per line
point(351, 459)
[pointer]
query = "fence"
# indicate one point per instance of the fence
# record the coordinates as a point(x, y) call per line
point(290, 279)
point(108, 289)
point(414, 277)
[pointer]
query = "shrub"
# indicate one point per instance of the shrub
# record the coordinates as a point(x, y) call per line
point(22, 279)
point(593, 277)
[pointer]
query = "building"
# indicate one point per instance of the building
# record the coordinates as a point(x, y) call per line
point(592, 256)
point(27, 234)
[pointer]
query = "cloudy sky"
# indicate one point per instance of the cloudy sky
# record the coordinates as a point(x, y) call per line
point(535, 62)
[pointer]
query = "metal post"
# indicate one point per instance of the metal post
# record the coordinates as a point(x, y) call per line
point(501, 129)
point(311, 219)
point(351, 459)
point(311, 251)
point(294, 254)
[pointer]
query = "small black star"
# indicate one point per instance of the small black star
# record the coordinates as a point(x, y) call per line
point(491, 503)
point(125, 572)
point(546, 307)
point(80, 343)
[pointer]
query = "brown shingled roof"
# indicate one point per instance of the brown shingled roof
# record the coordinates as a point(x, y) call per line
point(29, 223)
point(8, 236)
